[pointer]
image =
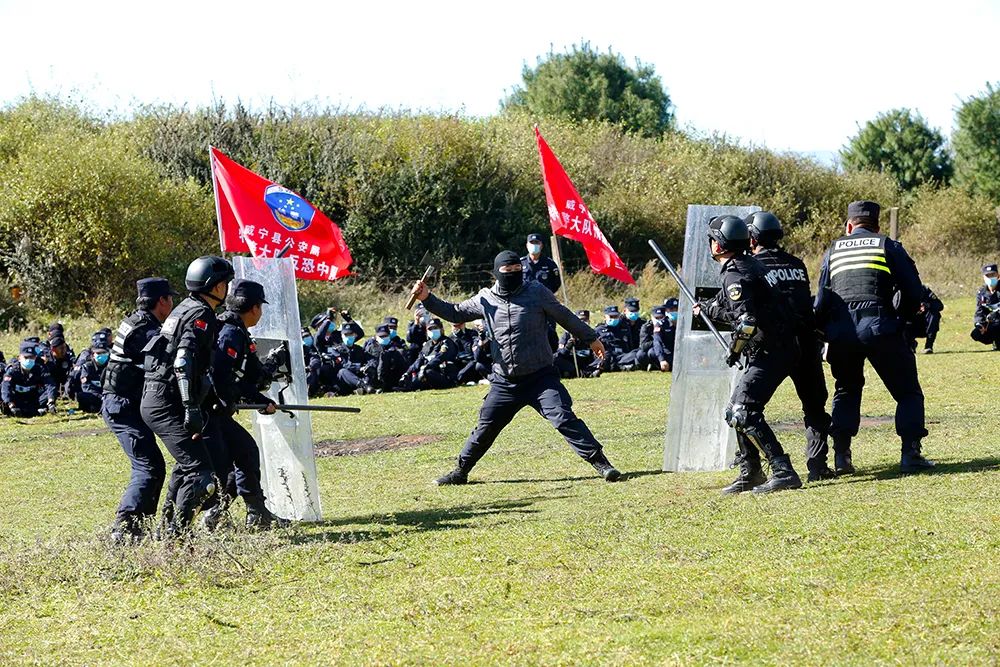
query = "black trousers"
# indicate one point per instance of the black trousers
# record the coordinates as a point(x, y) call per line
point(810, 385)
point(762, 377)
point(991, 335)
point(542, 391)
point(139, 444)
point(194, 478)
point(896, 365)
point(241, 461)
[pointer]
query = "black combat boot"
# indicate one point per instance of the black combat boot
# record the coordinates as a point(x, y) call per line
point(456, 476)
point(261, 518)
point(604, 468)
point(128, 530)
point(842, 464)
point(818, 470)
point(911, 461)
point(750, 475)
point(783, 476)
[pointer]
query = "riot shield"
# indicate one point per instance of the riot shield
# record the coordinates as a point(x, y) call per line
point(698, 437)
point(288, 467)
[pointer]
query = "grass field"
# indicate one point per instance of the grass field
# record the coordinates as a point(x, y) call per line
point(538, 561)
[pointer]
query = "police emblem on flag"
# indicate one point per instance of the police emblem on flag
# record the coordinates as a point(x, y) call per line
point(290, 210)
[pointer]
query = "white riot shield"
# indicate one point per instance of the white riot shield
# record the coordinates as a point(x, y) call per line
point(698, 437)
point(288, 467)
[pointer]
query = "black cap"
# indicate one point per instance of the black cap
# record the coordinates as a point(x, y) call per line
point(55, 326)
point(391, 321)
point(27, 347)
point(154, 288)
point(249, 290)
point(632, 306)
point(671, 303)
point(533, 238)
point(864, 209)
point(57, 340)
point(382, 329)
point(989, 268)
point(582, 313)
point(611, 310)
point(349, 327)
point(435, 323)
point(101, 339)
point(659, 310)
point(630, 300)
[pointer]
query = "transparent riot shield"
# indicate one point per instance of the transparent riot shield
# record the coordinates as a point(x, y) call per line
point(698, 437)
point(288, 467)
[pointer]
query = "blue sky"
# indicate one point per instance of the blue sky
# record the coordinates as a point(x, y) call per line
point(789, 75)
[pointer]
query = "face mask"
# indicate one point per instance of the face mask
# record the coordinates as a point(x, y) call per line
point(633, 316)
point(509, 281)
point(384, 340)
point(672, 316)
point(535, 248)
point(613, 321)
point(307, 341)
point(991, 282)
point(102, 358)
point(27, 364)
point(392, 333)
point(349, 340)
point(435, 334)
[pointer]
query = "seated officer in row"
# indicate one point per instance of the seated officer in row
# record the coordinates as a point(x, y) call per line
point(88, 395)
point(100, 340)
point(585, 364)
point(388, 359)
point(633, 322)
point(60, 359)
point(661, 353)
point(352, 362)
point(613, 334)
point(435, 368)
point(28, 389)
point(986, 323)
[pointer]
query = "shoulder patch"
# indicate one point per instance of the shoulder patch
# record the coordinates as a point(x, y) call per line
point(201, 324)
point(231, 352)
point(735, 291)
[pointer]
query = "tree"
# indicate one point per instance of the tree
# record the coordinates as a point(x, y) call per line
point(977, 144)
point(901, 144)
point(583, 84)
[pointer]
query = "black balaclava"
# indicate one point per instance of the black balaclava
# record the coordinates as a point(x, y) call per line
point(507, 283)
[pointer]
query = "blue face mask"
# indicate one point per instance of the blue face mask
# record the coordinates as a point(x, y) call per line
point(535, 248)
point(672, 317)
point(991, 282)
point(27, 364)
point(613, 322)
point(633, 316)
point(392, 333)
point(307, 341)
point(349, 340)
point(101, 359)
point(384, 340)
point(435, 334)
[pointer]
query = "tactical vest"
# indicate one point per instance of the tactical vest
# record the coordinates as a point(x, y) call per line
point(124, 374)
point(858, 269)
point(161, 350)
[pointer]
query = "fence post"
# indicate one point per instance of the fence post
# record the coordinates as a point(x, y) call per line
point(894, 223)
point(557, 256)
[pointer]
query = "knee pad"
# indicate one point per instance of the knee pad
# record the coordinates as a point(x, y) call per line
point(205, 484)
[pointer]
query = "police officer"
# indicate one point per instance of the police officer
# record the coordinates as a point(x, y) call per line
point(238, 376)
point(585, 363)
point(28, 389)
point(854, 306)
point(515, 314)
point(634, 322)
point(986, 322)
point(353, 363)
point(661, 352)
point(177, 383)
point(788, 274)
point(464, 338)
point(436, 367)
point(927, 321)
point(535, 266)
point(396, 342)
point(91, 373)
point(614, 336)
point(416, 333)
point(478, 369)
point(763, 334)
point(122, 386)
point(60, 360)
point(312, 362)
point(100, 340)
point(388, 360)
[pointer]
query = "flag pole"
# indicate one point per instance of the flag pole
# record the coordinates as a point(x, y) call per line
point(557, 256)
point(215, 192)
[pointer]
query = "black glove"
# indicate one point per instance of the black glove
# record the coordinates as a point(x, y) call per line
point(194, 423)
point(346, 314)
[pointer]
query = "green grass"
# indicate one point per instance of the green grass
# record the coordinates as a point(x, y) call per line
point(538, 562)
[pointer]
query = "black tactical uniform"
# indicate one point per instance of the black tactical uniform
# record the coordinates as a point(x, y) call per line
point(28, 389)
point(764, 335)
point(91, 381)
point(926, 322)
point(388, 355)
point(861, 272)
point(789, 275)
point(574, 358)
point(986, 322)
point(177, 383)
point(436, 367)
point(122, 387)
point(613, 333)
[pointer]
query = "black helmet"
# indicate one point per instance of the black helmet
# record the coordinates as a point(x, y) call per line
point(206, 272)
point(765, 228)
point(731, 233)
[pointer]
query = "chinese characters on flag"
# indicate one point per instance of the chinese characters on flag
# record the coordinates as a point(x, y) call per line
point(571, 218)
point(264, 218)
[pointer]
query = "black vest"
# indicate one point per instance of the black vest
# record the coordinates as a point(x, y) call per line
point(161, 351)
point(858, 269)
point(125, 370)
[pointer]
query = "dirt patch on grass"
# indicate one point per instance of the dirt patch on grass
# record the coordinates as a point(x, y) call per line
point(385, 443)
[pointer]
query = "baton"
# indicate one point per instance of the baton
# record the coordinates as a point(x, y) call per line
point(290, 407)
point(688, 294)
point(413, 297)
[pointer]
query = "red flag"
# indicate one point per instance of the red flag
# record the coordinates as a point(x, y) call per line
point(262, 218)
point(571, 218)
